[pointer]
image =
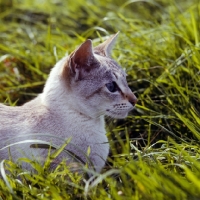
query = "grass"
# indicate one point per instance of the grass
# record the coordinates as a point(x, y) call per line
point(155, 151)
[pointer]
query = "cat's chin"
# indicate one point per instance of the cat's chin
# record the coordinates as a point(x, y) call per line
point(116, 115)
point(120, 117)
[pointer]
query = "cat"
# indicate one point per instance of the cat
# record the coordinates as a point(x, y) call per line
point(81, 89)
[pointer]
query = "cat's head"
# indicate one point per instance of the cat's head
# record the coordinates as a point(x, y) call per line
point(97, 84)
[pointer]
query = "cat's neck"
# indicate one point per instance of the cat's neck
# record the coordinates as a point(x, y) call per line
point(55, 91)
point(57, 97)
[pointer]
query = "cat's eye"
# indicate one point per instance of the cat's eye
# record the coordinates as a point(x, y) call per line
point(112, 87)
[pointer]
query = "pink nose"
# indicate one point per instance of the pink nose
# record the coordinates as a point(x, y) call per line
point(132, 98)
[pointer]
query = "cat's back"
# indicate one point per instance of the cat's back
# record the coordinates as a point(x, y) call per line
point(8, 114)
point(10, 121)
point(15, 118)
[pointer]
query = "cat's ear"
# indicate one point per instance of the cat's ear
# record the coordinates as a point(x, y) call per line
point(105, 48)
point(82, 59)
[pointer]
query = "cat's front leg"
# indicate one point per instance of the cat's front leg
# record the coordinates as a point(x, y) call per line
point(98, 156)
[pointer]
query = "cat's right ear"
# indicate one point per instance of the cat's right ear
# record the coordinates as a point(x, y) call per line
point(105, 48)
point(82, 59)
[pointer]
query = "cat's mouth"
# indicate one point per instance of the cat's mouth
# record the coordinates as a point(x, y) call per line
point(117, 113)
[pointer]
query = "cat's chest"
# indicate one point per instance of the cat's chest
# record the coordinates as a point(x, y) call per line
point(72, 125)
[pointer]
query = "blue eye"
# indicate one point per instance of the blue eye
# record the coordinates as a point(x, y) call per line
point(112, 87)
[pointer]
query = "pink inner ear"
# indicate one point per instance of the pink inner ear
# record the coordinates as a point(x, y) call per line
point(83, 59)
point(84, 54)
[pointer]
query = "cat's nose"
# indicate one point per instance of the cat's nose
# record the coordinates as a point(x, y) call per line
point(131, 98)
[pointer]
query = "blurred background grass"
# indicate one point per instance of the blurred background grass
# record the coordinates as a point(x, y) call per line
point(156, 149)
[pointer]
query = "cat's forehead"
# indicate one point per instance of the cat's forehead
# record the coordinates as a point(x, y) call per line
point(116, 69)
point(112, 66)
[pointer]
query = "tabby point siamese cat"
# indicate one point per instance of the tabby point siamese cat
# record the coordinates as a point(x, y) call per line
point(81, 89)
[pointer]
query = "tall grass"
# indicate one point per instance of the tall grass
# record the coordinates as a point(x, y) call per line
point(155, 151)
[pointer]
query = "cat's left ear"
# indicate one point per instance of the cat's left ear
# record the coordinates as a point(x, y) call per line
point(82, 60)
point(105, 48)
